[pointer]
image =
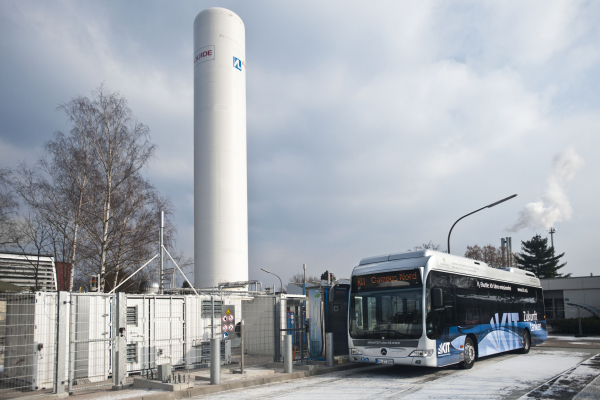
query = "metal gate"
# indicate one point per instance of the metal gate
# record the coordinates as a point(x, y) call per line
point(155, 332)
point(28, 347)
point(261, 335)
point(91, 340)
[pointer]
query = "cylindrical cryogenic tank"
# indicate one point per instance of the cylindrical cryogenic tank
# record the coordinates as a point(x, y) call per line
point(220, 176)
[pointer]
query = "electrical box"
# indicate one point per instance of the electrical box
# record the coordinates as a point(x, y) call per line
point(164, 371)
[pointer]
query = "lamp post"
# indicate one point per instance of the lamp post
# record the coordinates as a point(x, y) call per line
point(269, 272)
point(488, 206)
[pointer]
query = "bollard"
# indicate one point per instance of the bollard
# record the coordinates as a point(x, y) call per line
point(287, 354)
point(215, 361)
point(329, 349)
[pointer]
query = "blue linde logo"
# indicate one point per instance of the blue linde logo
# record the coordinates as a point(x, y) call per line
point(237, 63)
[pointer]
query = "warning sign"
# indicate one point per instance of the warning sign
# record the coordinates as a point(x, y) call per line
point(228, 322)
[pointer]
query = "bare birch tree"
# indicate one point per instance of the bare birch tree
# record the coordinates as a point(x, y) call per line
point(119, 144)
point(56, 188)
point(88, 187)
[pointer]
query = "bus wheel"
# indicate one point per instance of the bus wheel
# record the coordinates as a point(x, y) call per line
point(526, 343)
point(469, 352)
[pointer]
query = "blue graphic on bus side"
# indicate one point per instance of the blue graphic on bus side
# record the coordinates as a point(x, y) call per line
point(500, 335)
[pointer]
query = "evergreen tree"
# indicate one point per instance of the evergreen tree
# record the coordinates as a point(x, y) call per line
point(540, 259)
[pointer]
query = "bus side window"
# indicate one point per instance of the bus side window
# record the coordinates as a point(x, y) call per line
point(449, 307)
point(467, 307)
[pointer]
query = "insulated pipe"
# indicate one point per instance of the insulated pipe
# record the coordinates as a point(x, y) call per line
point(215, 361)
point(287, 354)
point(329, 350)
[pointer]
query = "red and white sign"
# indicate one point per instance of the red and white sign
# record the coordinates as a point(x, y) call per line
point(230, 318)
point(231, 327)
point(224, 318)
point(224, 328)
point(206, 53)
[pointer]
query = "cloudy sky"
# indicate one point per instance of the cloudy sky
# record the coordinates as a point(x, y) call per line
point(371, 129)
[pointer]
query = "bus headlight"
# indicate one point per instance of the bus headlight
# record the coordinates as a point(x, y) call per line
point(355, 351)
point(421, 353)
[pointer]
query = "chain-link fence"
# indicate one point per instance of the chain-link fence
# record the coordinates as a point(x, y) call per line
point(28, 348)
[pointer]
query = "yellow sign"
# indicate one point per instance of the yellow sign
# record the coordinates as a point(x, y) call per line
point(228, 312)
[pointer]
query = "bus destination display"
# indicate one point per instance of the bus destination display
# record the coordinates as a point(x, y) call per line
point(387, 279)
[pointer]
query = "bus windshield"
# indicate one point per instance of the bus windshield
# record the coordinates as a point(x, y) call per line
point(387, 313)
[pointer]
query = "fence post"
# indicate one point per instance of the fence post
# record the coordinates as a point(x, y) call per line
point(277, 333)
point(120, 342)
point(71, 310)
point(242, 345)
point(62, 336)
point(329, 349)
point(287, 354)
point(215, 361)
point(579, 317)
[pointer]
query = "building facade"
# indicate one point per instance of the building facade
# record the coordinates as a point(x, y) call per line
point(29, 271)
point(560, 291)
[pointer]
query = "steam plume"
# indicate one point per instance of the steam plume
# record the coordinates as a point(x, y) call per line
point(554, 205)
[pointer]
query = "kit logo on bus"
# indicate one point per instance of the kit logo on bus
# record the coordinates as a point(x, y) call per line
point(444, 349)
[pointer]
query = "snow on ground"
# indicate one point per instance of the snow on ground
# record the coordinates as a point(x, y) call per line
point(573, 338)
point(490, 378)
point(498, 380)
point(126, 394)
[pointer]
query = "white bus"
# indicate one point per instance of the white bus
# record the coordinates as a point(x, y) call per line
point(433, 309)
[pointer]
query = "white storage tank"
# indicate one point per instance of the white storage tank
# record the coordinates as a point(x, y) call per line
point(220, 173)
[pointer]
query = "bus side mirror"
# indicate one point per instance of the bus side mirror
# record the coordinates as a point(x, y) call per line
point(437, 298)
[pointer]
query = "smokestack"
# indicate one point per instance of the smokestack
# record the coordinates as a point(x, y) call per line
point(220, 176)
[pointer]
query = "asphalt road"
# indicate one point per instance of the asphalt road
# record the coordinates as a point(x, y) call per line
point(546, 372)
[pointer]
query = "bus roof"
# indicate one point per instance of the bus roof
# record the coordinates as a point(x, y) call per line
point(445, 262)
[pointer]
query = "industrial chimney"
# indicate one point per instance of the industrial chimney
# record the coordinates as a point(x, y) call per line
point(220, 176)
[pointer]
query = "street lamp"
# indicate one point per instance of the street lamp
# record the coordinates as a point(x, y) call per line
point(269, 272)
point(488, 206)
